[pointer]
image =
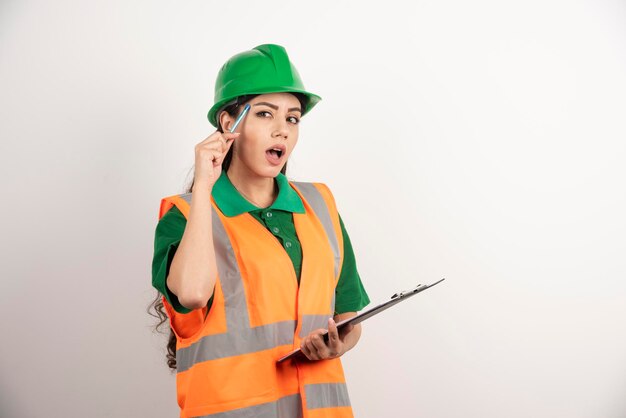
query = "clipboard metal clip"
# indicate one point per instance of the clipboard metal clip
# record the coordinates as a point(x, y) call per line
point(417, 289)
point(406, 292)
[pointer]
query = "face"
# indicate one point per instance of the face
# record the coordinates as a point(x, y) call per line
point(269, 133)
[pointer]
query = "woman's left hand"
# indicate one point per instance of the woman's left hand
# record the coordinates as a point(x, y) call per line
point(315, 348)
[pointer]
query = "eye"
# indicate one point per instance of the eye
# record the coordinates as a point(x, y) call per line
point(264, 114)
point(293, 119)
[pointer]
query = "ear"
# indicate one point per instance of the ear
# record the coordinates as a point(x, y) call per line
point(226, 121)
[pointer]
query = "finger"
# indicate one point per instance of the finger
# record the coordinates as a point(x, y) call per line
point(229, 136)
point(221, 158)
point(217, 145)
point(334, 342)
point(305, 350)
point(226, 136)
point(315, 353)
point(319, 344)
point(224, 142)
point(333, 334)
point(218, 161)
point(229, 144)
point(215, 157)
point(207, 150)
point(210, 138)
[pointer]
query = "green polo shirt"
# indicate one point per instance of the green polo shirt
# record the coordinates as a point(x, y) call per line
point(350, 295)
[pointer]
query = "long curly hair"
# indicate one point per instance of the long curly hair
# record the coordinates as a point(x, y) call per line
point(156, 308)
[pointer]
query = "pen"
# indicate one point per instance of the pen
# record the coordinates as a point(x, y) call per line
point(240, 118)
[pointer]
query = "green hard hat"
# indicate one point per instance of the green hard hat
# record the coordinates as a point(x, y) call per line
point(264, 69)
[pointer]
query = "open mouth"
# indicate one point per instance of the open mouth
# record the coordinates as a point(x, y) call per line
point(276, 152)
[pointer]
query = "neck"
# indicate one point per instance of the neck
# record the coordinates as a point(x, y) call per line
point(260, 191)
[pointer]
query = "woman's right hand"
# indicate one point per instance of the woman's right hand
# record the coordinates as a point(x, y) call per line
point(210, 154)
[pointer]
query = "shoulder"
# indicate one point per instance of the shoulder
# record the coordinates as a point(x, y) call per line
point(313, 188)
point(182, 201)
point(171, 224)
point(173, 214)
point(321, 200)
point(316, 191)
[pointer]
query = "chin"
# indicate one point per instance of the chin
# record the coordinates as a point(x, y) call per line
point(269, 171)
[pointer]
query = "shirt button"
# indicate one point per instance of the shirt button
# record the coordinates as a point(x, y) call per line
point(288, 244)
point(275, 230)
point(268, 214)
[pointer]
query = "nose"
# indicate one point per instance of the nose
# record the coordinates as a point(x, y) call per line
point(280, 129)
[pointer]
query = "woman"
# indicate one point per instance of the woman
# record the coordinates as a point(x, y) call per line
point(251, 266)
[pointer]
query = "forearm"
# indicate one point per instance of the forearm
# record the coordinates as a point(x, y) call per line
point(351, 338)
point(193, 270)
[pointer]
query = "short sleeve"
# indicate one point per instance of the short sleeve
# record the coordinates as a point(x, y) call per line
point(350, 295)
point(169, 232)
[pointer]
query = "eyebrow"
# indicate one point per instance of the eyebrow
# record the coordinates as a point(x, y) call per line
point(273, 106)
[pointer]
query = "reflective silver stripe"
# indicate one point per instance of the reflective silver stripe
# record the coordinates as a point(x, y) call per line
point(240, 337)
point(313, 322)
point(186, 197)
point(230, 279)
point(317, 202)
point(326, 395)
point(216, 346)
point(287, 407)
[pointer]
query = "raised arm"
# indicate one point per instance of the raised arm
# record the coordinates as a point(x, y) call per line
point(193, 270)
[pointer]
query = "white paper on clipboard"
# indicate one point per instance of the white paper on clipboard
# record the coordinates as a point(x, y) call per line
point(395, 299)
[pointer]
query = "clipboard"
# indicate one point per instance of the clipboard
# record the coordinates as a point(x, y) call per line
point(395, 299)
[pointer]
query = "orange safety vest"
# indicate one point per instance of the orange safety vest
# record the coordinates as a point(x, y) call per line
point(226, 357)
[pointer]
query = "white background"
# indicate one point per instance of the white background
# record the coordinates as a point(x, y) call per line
point(480, 141)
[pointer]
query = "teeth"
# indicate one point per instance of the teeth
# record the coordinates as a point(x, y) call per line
point(278, 152)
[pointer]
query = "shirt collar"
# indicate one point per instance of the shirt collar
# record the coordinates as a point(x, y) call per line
point(232, 203)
